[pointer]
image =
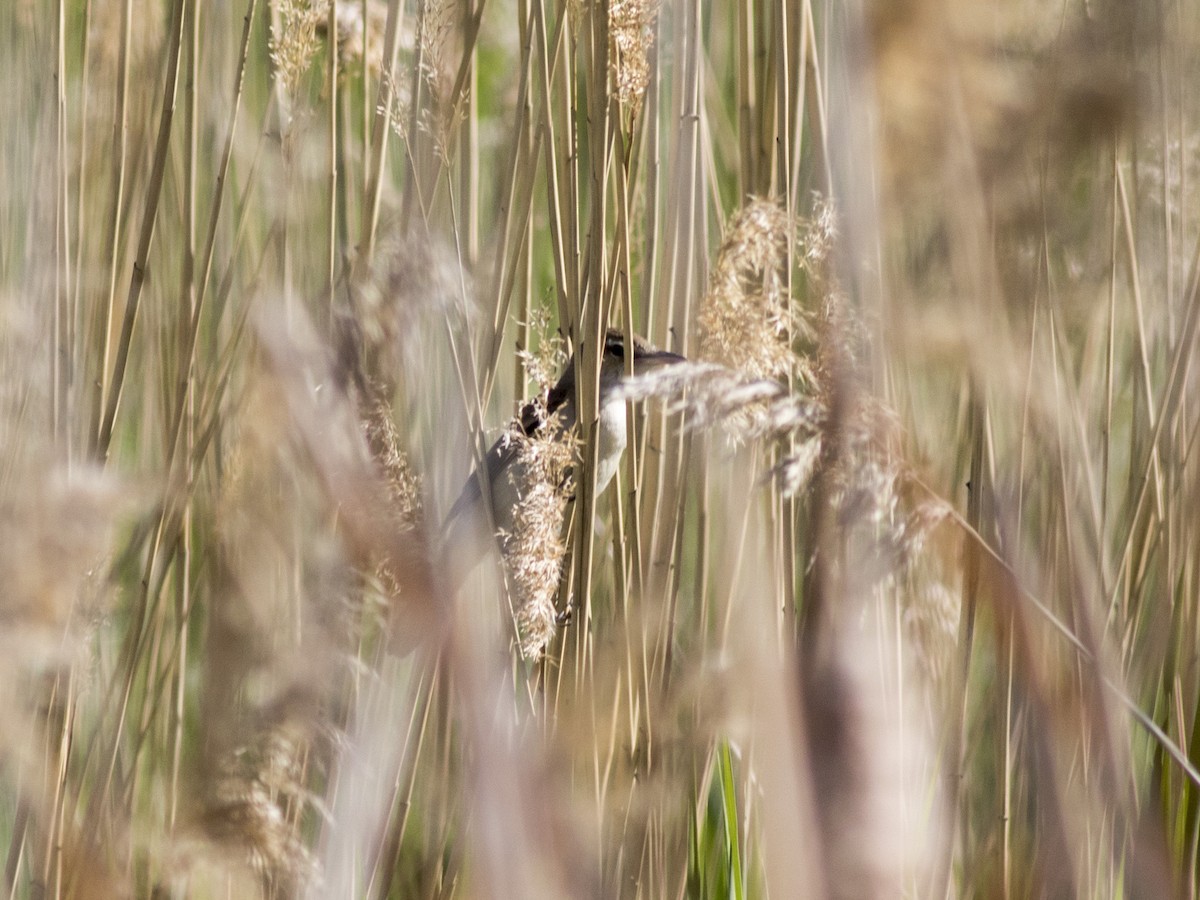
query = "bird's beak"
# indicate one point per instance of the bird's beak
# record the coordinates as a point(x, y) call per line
point(650, 359)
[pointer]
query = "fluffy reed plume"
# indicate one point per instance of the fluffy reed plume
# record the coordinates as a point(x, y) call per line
point(411, 280)
point(747, 321)
point(57, 534)
point(56, 530)
point(762, 382)
point(749, 326)
point(817, 238)
point(711, 395)
point(384, 442)
point(253, 809)
point(436, 41)
point(630, 40)
point(404, 508)
point(541, 479)
point(282, 629)
point(533, 553)
point(436, 35)
point(360, 35)
point(294, 42)
point(931, 605)
point(548, 356)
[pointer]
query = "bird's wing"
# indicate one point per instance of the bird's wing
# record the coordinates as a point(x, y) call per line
point(503, 452)
point(500, 455)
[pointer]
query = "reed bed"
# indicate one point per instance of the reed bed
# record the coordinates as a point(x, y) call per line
point(896, 592)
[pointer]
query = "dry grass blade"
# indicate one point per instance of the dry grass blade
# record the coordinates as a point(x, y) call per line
point(116, 384)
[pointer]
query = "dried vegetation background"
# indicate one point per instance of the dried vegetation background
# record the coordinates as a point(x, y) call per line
point(896, 593)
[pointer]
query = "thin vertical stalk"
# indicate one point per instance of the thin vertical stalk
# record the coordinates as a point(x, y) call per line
point(102, 384)
point(469, 146)
point(149, 217)
point(1135, 281)
point(380, 128)
point(595, 298)
point(650, 140)
point(187, 411)
point(1109, 354)
point(331, 148)
point(561, 247)
point(82, 195)
point(631, 538)
point(746, 85)
point(814, 99)
point(782, 142)
point(686, 244)
point(516, 211)
point(958, 828)
point(62, 347)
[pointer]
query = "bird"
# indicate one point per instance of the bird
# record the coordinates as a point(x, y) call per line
point(465, 533)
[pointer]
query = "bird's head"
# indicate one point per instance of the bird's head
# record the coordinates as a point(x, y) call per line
point(646, 357)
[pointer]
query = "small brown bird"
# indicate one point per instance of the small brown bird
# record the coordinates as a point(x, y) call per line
point(465, 534)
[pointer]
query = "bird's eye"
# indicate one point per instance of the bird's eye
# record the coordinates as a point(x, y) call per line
point(616, 348)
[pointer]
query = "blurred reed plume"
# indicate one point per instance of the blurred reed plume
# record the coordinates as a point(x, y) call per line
point(360, 33)
point(893, 595)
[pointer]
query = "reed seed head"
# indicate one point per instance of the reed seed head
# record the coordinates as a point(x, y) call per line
point(541, 477)
point(249, 809)
point(747, 321)
point(294, 43)
point(383, 440)
point(630, 39)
